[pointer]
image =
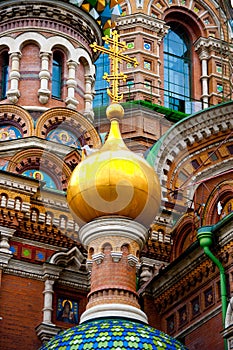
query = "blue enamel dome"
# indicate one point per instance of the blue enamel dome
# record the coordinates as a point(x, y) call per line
point(112, 334)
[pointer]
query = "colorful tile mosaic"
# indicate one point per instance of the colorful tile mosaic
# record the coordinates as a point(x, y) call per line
point(26, 253)
point(104, 12)
point(67, 310)
point(147, 65)
point(40, 255)
point(112, 334)
point(147, 46)
point(130, 45)
point(14, 249)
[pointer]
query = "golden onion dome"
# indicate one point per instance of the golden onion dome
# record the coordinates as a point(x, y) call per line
point(114, 181)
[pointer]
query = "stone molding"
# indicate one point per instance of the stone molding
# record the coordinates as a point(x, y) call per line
point(79, 280)
point(116, 256)
point(141, 19)
point(65, 258)
point(212, 44)
point(114, 310)
point(113, 227)
point(46, 331)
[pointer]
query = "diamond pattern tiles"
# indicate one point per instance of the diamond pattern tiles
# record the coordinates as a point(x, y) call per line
point(103, 11)
point(112, 334)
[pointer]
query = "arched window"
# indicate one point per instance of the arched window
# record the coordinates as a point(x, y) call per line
point(177, 70)
point(57, 75)
point(4, 74)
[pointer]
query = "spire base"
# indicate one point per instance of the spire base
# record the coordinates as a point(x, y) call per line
point(114, 310)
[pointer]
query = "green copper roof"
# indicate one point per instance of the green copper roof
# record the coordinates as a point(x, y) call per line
point(113, 334)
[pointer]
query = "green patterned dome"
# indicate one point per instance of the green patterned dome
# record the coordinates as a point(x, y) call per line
point(113, 334)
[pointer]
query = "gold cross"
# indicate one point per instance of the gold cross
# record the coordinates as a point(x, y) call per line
point(115, 54)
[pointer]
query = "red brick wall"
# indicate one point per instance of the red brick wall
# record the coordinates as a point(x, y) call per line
point(110, 274)
point(21, 303)
point(207, 336)
point(29, 82)
point(80, 89)
point(148, 306)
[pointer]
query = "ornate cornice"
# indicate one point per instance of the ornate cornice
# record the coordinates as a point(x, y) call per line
point(140, 19)
point(210, 44)
point(79, 280)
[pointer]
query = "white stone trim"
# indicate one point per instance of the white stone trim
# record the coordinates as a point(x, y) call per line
point(48, 301)
point(114, 310)
point(115, 226)
point(64, 258)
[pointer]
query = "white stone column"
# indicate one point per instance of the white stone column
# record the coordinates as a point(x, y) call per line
point(13, 94)
point(88, 97)
point(203, 55)
point(48, 301)
point(44, 75)
point(5, 253)
point(71, 101)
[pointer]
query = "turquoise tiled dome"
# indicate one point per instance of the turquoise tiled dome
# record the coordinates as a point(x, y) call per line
point(113, 334)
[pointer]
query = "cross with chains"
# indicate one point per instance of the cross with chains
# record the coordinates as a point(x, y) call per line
point(115, 54)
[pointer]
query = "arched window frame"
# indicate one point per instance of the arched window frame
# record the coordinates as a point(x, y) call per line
point(177, 87)
point(57, 74)
point(4, 73)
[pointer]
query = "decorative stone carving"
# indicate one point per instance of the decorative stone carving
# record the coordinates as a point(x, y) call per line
point(71, 101)
point(5, 253)
point(46, 331)
point(98, 258)
point(13, 94)
point(132, 260)
point(88, 98)
point(116, 256)
point(44, 75)
point(48, 301)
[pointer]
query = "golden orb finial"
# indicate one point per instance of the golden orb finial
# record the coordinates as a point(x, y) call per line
point(115, 111)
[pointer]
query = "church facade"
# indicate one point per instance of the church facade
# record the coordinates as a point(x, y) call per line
point(178, 115)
